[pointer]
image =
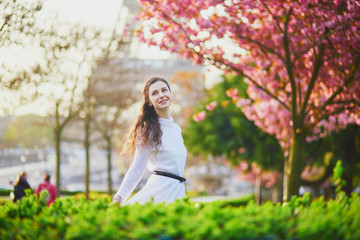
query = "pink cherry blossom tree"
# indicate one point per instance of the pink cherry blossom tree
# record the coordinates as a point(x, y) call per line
point(300, 59)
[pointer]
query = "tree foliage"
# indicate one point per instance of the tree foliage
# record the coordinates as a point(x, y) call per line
point(17, 21)
point(227, 132)
point(300, 59)
point(28, 132)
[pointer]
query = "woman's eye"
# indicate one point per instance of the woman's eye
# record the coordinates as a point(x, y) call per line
point(164, 90)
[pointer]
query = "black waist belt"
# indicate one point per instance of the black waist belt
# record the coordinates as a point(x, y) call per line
point(170, 175)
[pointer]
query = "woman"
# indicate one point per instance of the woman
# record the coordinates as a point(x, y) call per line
point(48, 189)
point(20, 185)
point(155, 142)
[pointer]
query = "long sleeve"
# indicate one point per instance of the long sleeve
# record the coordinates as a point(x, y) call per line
point(53, 193)
point(135, 172)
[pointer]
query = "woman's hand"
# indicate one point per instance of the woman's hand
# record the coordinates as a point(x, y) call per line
point(117, 200)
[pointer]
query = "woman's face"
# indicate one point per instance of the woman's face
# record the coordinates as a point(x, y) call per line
point(160, 96)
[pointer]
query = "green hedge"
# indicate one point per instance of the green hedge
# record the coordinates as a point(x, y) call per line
point(71, 218)
point(4, 192)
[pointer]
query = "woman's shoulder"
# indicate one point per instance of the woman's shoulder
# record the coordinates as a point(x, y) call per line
point(177, 127)
point(168, 124)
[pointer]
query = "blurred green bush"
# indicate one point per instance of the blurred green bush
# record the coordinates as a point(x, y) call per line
point(5, 192)
point(76, 218)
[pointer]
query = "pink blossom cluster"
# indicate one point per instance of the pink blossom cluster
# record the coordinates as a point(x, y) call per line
point(200, 116)
point(211, 106)
point(252, 172)
point(233, 93)
point(301, 59)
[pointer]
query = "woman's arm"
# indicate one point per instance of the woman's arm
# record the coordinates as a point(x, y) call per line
point(134, 174)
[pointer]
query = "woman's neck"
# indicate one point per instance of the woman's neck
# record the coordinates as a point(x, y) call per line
point(163, 114)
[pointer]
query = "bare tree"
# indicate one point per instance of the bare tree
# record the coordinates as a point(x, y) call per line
point(17, 21)
point(67, 60)
point(105, 98)
point(62, 72)
point(111, 91)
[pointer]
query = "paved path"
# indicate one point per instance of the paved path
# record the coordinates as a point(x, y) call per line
point(214, 198)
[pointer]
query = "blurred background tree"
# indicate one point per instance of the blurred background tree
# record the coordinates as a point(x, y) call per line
point(104, 101)
point(64, 58)
point(27, 132)
point(227, 132)
point(17, 24)
point(17, 20)
point(109, 89)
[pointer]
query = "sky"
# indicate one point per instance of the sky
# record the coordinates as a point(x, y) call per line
point(102, 13)
point(92, 12)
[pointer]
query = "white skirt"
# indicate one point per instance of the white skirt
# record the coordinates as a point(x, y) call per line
point(159, 189)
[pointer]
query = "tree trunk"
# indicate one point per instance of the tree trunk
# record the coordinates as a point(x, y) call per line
point(87, 155)
point(58, 155)
point(109, 154)
point(293, 167)
point(276, 192)
point(258, 189)
point(351, 158)
point(57, 136)
point(348, 177)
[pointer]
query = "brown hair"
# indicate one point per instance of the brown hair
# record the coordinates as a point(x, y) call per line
point(147, 126)
point(46, 177)
point(21, 175)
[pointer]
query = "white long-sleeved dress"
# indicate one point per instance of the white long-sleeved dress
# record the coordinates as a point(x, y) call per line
point(170, 157)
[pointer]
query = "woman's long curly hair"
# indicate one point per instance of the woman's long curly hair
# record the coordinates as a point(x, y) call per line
point(147, 126)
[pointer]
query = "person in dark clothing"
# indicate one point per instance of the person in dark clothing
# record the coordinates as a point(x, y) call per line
point(20, 185)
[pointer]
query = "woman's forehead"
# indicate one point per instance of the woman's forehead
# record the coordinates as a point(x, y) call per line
point(157, 85)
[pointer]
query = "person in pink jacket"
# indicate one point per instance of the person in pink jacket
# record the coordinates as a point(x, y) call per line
point(47, 186)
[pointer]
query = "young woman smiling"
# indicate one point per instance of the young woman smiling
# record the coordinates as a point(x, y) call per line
point(155, 142)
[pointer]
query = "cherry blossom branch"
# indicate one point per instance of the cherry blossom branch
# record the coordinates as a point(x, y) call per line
point(327, 115)
point(337, 111)
point(229, 66)
point(254, 82)
point(289, 68)
point(245, 75)
point(346, 102)
point(319, 41)
point(275, 17)
point(262, 46)
point(270, 50)
point(346, 82)
point(314, 76)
